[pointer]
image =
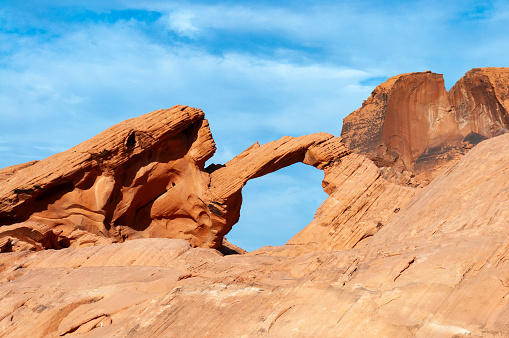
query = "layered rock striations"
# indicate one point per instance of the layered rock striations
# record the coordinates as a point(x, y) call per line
point(379, 259)
point(144, 177)
point(446, 277)
point(411, 123)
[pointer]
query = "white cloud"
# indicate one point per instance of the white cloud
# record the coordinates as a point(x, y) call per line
point(241, 18)
point(222, 155)
point(104, 74)
point(183, 23)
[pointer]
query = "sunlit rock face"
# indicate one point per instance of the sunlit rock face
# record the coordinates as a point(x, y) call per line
point(411, 123)
point(144, 177)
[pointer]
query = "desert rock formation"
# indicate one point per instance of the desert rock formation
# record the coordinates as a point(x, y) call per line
point(441, 279)
point(123, 183)
point(144, 177)
point(411, 123)
point(385, 256)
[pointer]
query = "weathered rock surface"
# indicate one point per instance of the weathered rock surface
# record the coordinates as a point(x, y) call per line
point(379, 259)
point(411, 123)
point(9, 171)
point(144, 177)
point(360, 203)
point(481, 101)
point(438, 268)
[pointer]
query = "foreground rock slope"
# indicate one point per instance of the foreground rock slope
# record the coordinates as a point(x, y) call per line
point(447, 277)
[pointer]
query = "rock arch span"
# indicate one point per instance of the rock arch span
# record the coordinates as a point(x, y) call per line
point(146, 177)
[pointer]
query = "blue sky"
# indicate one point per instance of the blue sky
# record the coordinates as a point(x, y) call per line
point(259, 70)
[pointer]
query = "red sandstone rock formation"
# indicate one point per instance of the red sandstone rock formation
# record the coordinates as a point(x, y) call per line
point(127, 182)
point(438, 267)
point(411, 123)
point(447, 276)
point(144, 177)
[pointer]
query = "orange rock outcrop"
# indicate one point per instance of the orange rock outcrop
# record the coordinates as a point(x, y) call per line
point(385, 256)
point(411, 123)
point(144, 177)
point(446, 277)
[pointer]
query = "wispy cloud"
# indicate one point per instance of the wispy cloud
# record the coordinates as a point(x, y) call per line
point(106, 73)
point(182, 22)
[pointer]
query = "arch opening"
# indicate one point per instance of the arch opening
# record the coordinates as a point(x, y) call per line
point(277, 206)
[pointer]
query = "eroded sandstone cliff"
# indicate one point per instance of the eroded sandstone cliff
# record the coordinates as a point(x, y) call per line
point(411, 123)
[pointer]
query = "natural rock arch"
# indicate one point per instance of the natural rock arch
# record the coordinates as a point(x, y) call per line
point(145, 177)
point(319, 150)
point(277, 206)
